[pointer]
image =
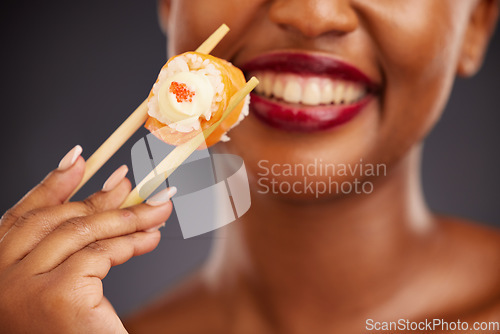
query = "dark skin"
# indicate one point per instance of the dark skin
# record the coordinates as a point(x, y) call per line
point(294, 263)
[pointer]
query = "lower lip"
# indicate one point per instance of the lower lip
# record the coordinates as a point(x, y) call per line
point(303, 118)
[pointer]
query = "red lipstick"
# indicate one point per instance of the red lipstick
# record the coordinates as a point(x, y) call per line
point(307, 92)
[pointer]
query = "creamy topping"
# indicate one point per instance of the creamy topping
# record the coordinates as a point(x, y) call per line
point(183, 98)
point(183, 90)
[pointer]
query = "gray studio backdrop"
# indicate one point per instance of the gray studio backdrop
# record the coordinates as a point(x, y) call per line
point(72, 70)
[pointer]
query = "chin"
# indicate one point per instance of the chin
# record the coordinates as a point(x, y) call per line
point(320, 165)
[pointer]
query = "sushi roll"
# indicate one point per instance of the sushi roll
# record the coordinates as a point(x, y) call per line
point(191, 94)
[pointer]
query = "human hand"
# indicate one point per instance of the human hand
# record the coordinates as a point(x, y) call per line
point(53, 255)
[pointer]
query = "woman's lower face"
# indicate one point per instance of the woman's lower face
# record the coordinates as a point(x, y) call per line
point(343, 83)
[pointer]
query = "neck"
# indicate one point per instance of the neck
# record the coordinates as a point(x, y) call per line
point(343, 256)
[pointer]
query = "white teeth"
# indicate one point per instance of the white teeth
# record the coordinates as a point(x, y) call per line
point(278, 88)
point(327, 92)
point(311, 91)
point(293, 91)
point(354, 93)
point(349, 94)
point(339, 93)
point(267, 83)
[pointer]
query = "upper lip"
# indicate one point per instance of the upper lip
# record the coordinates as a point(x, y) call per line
point(309, 63)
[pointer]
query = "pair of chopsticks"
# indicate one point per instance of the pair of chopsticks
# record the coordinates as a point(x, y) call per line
point(175, 158)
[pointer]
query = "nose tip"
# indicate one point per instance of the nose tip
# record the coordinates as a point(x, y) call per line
point(313, 18)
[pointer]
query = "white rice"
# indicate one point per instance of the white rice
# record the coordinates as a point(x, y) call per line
point(243, 114)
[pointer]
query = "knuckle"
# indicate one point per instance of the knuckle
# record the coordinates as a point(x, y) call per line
point(130, 216)
point(83, 209)
point(34, 217)
point(97, 246)
point(90, 206)
point(77, 226)
point(29, 216)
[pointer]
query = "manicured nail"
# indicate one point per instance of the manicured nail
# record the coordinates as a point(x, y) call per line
point(154, 229)
point(70, 158)
point(115, 178)
point(162, 197)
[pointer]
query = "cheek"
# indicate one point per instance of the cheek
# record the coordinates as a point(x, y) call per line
point(187, 26)
point(418, 43)
point(417, 38)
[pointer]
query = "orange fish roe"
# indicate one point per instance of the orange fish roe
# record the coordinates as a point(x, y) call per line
point(182, 92)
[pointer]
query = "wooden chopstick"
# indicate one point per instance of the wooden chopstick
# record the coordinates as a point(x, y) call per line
point(134, 122)
point(175, 158)
point(113, 144)
point(214, 39)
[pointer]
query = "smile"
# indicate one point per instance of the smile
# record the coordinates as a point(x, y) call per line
point(307, 92)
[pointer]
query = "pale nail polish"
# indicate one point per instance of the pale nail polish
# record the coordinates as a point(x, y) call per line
point(115, 178)
point(154, 229)
point(70, 158)
point(162, 197)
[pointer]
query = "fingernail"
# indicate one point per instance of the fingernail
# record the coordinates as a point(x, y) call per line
point(162, 197)
point(115, 178)
point(154, 229)
point(70, 158)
